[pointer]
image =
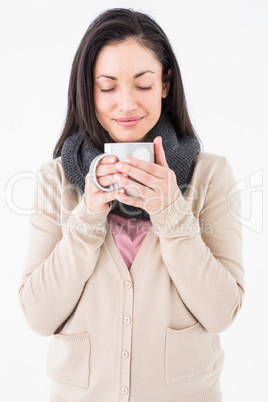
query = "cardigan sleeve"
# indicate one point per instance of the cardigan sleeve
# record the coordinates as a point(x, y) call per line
point(57, 265)
point(203, 253)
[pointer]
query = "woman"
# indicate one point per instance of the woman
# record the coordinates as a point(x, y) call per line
point(133, 290)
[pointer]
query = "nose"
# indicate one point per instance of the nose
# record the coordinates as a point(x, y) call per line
point(126, 102)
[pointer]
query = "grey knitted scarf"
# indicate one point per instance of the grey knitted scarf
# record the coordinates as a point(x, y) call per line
point(77, 156)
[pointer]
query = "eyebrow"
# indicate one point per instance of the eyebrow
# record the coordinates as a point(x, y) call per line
point(135, 76)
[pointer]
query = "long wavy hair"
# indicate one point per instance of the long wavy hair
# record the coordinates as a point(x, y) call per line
point(114, 26)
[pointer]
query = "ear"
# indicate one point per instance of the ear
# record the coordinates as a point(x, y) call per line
point(166, 84)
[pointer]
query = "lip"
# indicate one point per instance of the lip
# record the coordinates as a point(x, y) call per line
point(128, 121)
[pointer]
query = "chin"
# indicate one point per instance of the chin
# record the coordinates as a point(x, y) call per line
point(128, 137)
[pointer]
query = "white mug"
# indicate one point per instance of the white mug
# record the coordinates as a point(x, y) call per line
point(140, 150)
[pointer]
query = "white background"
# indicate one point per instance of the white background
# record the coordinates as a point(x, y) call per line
point(221, 47)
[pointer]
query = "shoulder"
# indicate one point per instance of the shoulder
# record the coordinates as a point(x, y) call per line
point(209, 163)
point(213, 171)
point(53, 171)
point(53, 166)
point(51, 175)
point(56, 188)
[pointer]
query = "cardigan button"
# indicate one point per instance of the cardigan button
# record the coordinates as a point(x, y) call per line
point(128, 284)
point(127, 320)
point(125, 354)
point(124, 390)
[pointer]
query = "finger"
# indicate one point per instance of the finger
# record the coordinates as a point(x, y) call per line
point(102, 200)
point(107, 159)
point(97, 196)
point(107, 180)
point(105, 169)
point(160, 157)
point(129, 200)
point(140, 170)
point(104, 181)
point(136, 188)
point(107, 197)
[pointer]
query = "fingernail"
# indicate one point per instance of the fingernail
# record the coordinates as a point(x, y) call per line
point(118, 165)
point(127, 160)
point(117, 177)
point(119, 193)
point(111, 160)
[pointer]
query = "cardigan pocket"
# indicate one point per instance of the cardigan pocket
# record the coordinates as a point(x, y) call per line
point(188, 353)
point(68, 359)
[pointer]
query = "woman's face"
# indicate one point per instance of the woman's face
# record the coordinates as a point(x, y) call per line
point(128, 90)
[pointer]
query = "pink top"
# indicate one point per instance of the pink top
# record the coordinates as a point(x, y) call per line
point(128, 235)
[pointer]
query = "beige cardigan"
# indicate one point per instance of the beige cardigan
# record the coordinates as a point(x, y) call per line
point(145, 335)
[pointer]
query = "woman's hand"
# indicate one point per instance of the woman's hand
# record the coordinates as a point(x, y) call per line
point(157, 187)
point(98, 200)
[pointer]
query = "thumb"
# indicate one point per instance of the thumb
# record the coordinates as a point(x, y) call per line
point(160, 157)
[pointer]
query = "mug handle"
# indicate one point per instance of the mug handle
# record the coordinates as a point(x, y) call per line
point(92, 174)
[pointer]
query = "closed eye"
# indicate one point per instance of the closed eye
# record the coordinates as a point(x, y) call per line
point(107, 90)
point(144, 88)
point(112, 89)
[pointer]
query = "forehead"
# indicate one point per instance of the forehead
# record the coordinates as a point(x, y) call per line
point(128, 56)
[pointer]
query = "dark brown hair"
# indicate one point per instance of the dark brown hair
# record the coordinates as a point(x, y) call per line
point(113, 26)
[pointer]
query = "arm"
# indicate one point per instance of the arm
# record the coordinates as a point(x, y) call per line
point(205, 265)
point(57, 265)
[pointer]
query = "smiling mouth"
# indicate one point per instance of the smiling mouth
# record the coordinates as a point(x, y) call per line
point(128, 121)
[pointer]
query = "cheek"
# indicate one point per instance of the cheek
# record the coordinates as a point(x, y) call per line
point(150, 99)
point(102, 104)
point(154, 102)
